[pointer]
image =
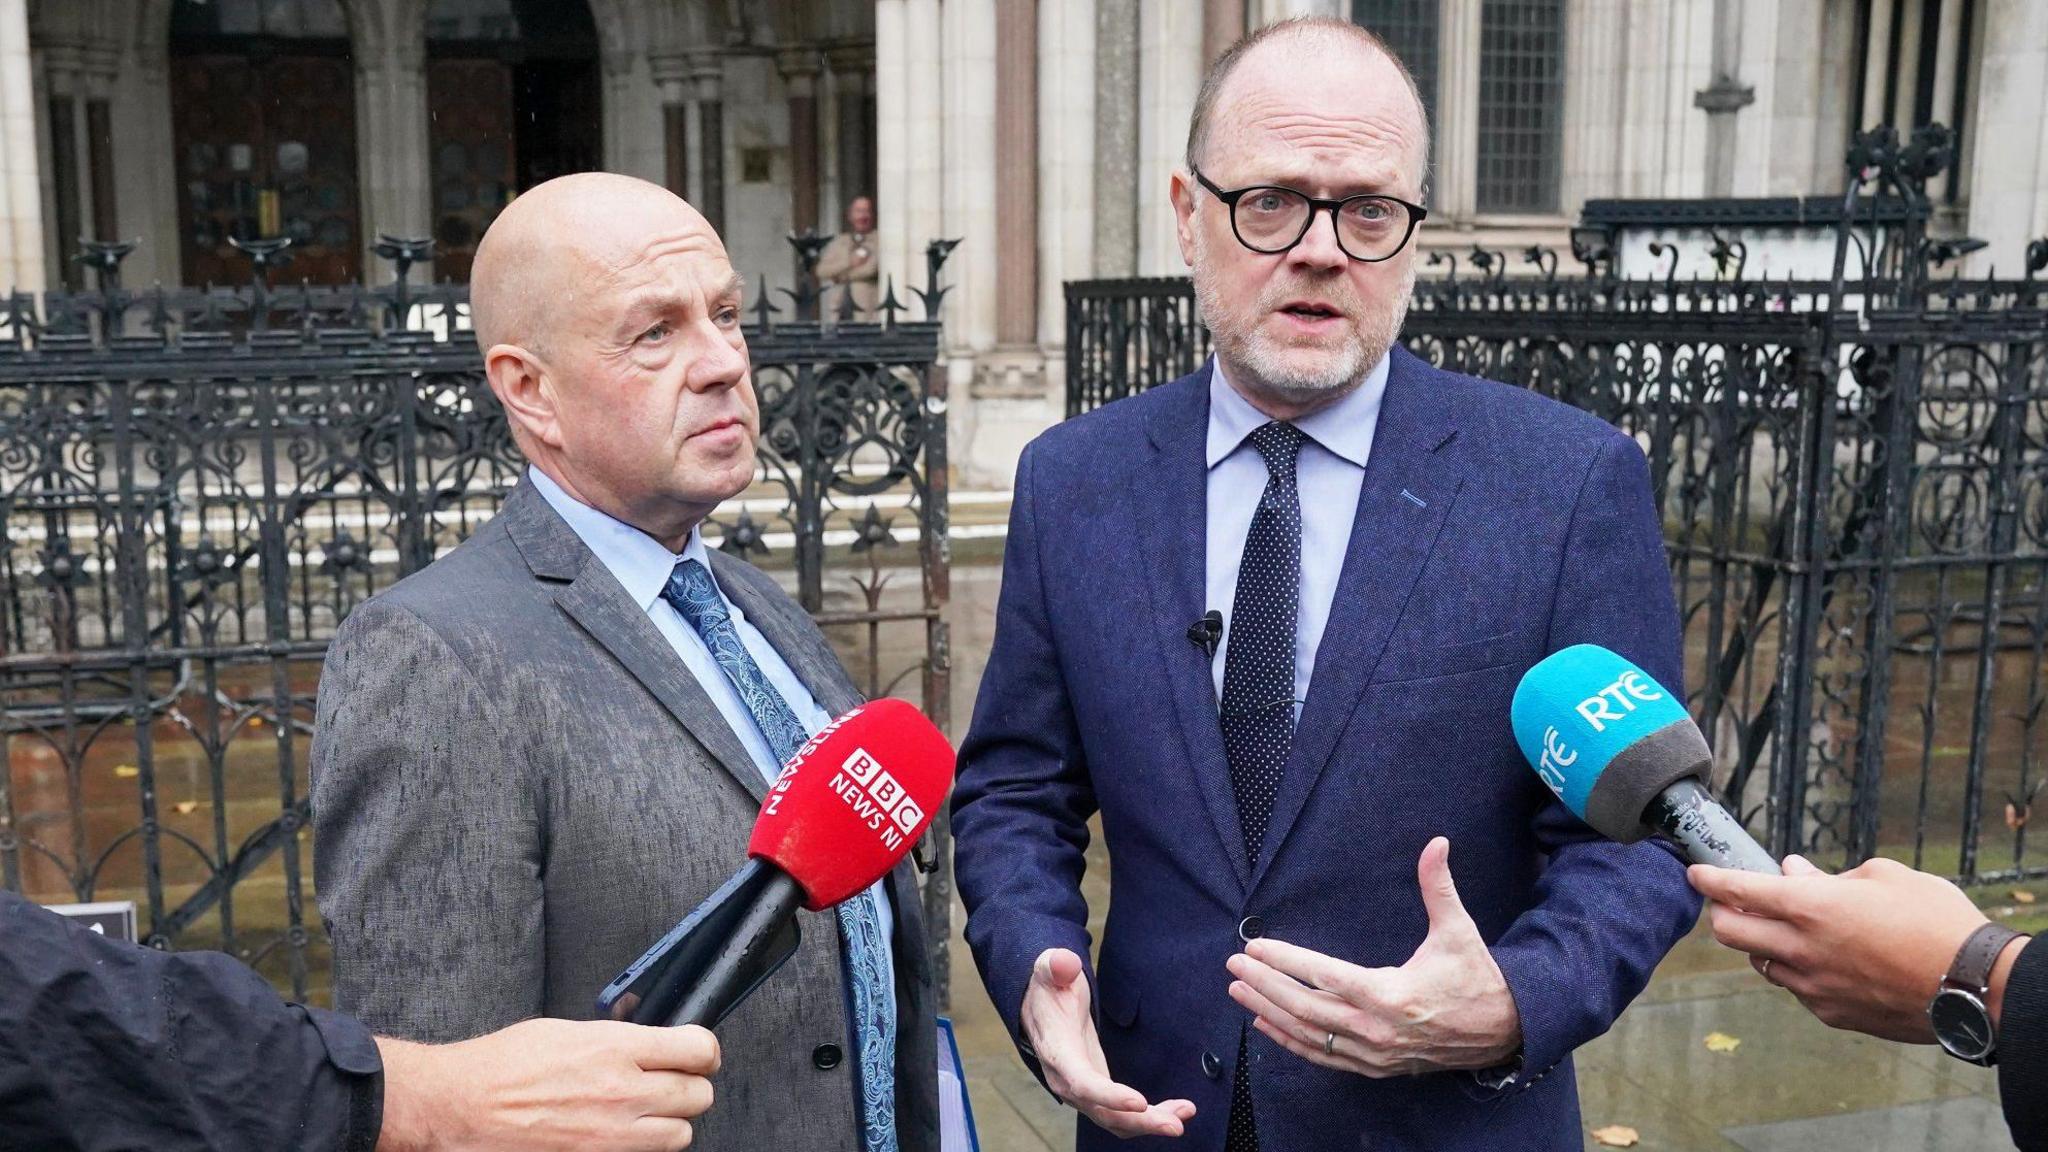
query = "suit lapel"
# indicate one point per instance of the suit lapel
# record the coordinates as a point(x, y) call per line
point(594, 600)
point(1168, 499)
point(1410, 481)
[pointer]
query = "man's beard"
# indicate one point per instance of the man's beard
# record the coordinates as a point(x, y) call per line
point(1270, 367)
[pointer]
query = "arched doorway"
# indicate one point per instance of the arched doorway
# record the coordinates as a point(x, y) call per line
point(513, 94)
point(263, 123)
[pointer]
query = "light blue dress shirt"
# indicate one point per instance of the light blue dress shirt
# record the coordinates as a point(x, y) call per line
point(1328, 475)
point(642, 565)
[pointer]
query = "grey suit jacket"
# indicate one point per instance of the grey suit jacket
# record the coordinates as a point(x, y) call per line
point(518, 786)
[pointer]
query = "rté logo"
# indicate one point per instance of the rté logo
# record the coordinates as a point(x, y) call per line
point(1555, 758)
point(1625, 693)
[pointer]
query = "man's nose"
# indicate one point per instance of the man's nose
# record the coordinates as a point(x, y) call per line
point(1318, 247)
point(717, 363)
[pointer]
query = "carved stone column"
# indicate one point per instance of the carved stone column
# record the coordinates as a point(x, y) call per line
point(393, 167)
point(1017, 172)
point(708, 72)
point(1948, 50)
point(21, 201)
point(64, 184)
point(853, 85)
point(1116, 138)
point(672, 79)
point(1222, 25)
point(1723, 99)
point(799, 68)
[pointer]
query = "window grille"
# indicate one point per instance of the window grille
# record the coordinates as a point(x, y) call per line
point(1521, 105)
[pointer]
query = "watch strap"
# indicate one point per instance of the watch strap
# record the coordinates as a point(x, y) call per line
point(1978, 955)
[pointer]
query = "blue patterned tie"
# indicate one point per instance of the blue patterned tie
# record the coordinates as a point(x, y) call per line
point(692, 594)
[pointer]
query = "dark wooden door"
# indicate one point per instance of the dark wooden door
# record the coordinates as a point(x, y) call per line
point(266, 147)
point(471, 137)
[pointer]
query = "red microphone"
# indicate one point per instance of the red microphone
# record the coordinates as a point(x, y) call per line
point(847, 809)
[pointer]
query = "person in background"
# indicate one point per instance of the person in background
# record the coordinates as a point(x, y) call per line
point(849, 262)
point(104, 1044)
point(1901, 955)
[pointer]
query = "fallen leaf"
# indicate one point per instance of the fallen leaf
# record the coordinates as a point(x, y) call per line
point(1616, 1136)
point(255, 721)
point(127, 771)
point(1722, 1042)
point(185, 807)
point(2023, 896)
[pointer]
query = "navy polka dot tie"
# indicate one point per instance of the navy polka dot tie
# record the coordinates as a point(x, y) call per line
point(1258, 683)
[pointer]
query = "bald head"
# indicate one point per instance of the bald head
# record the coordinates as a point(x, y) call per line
point(546, 252)
point(609, 317)
point(1296, 57)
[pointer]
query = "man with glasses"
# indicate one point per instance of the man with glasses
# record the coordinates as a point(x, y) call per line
point(1266, 621)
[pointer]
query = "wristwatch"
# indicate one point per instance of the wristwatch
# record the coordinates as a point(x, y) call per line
point(1961, 1020)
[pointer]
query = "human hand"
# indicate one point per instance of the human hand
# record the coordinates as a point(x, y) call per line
point(1061, 1031)
point(1865, 950)
point(549, 1084)
point(1448, 1007)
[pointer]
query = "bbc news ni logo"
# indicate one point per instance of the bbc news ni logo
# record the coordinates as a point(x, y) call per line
point(877, 798)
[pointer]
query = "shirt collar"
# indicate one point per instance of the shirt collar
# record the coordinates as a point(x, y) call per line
point(637, 561)
point(1345, 428)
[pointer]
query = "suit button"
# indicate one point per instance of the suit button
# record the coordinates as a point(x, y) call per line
point(826, 1057)
point(1212, 1067)
point(1250, 928)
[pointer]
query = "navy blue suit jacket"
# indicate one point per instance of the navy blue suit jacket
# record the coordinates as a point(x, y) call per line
point(1494, 527)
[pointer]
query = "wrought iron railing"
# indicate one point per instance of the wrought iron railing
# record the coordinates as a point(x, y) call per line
point(198, 485)
point(1854, 480)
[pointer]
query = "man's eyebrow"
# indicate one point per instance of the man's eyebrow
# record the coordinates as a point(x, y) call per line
point(736, 288)
point(653, 303)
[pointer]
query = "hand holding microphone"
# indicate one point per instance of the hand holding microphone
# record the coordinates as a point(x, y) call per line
point(1863, 950)
point(846, 810)
point(548, 1084)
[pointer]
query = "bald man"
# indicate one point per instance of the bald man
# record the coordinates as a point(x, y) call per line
point(541, 751)
point(1267, 621)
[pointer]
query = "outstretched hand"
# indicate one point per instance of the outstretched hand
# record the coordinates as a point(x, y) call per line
point(1448, 1007)
point(1060, 1028)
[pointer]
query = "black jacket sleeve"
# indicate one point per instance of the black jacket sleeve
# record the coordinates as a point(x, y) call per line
point(105, 1045)
point(2023, 1048)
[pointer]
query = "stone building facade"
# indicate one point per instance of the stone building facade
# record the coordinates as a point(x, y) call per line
point(1041, 132)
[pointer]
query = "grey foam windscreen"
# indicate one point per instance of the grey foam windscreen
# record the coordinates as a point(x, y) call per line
point(1639, 773)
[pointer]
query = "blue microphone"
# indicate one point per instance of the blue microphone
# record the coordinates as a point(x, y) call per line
point(1622, 753)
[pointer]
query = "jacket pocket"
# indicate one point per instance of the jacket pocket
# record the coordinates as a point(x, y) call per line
point(1425, 661)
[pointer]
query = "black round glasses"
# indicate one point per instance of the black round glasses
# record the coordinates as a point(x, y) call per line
point(1270, 219)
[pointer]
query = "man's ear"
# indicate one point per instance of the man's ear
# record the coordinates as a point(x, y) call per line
point(520, 382)
point(1181, 187)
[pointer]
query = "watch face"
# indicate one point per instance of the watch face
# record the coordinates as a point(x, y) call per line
point(1962, 1024)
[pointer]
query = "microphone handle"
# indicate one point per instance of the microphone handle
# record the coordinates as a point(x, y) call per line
point(759, 942)
point(1688, 814)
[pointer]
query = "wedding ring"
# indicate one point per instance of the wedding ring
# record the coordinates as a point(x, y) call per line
point(1330, 1044)
point(1765, 972)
